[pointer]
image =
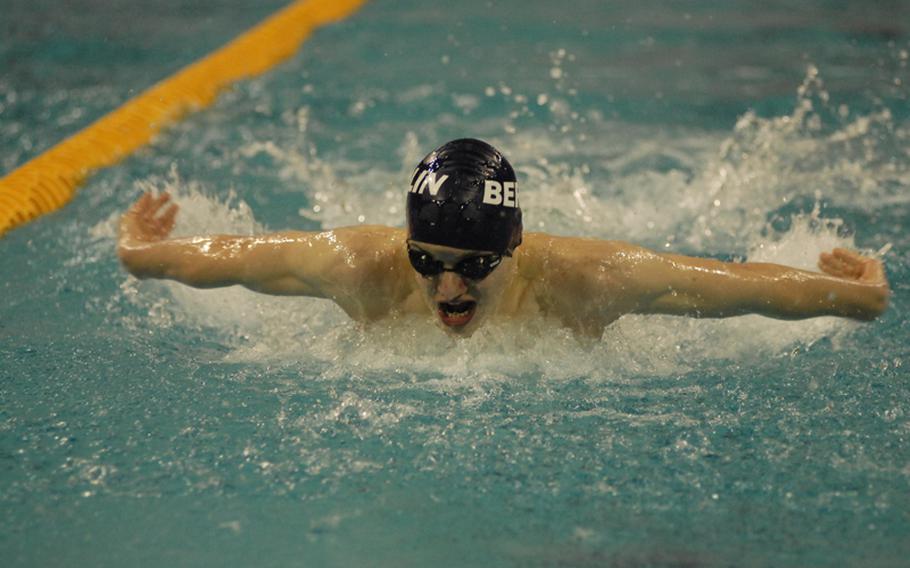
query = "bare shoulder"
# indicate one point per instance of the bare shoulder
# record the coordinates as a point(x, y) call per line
point(378, 249)
point(541, 255)
point(382, 250)
point(361, 268)
point(586, 283)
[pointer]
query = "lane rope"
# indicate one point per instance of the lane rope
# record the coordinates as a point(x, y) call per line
point(48, 181)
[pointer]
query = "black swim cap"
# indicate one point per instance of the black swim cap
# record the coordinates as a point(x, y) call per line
point(464, 195)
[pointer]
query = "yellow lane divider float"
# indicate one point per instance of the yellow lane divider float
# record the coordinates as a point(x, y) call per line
point(49, 181)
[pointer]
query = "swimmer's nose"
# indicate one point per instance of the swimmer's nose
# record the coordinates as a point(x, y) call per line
point(450, 286)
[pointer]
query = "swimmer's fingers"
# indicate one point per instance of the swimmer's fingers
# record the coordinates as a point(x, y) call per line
point(168, 219)
point(860, 267)
point(158, 202)
point(155, 226)
point(848, 264)
point(149, 203)
point(835, 266)
point(140, 204)
point(142, 221)
point(873, 271)
point(131, 219)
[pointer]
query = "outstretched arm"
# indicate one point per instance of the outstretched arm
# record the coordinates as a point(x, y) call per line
point(286, 263)
point(851, 285)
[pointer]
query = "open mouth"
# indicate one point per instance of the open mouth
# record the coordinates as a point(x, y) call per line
point(457, 314)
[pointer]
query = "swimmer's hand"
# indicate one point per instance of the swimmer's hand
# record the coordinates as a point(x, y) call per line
point(143, 236)
point(849, 265)
point(873, 292)
point(145, 222)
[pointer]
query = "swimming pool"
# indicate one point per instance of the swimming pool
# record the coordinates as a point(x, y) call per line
point(150, 424)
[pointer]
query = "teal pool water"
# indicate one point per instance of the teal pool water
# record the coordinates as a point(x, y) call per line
point(144, 423)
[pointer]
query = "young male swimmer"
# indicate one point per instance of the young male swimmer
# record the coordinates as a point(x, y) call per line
point(463, 260)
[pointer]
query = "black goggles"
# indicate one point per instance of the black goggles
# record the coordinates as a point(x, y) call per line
point(473, 268)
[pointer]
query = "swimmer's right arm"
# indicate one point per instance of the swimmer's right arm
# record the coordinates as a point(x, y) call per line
point(285, 263)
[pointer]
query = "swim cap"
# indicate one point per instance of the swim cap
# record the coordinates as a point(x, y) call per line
point(464, 195)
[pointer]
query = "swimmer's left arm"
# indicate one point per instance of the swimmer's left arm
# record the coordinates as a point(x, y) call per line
point(850, 285)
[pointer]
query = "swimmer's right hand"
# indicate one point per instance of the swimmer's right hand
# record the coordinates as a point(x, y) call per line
point(145, 222)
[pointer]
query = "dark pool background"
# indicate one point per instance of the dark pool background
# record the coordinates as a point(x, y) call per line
point(148, 424)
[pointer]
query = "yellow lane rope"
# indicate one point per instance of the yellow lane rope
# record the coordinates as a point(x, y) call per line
point(49, 181)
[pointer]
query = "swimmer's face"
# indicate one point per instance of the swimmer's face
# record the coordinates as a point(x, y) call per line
point(469, 288)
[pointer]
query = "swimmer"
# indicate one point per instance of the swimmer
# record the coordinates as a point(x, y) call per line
point(463, 260)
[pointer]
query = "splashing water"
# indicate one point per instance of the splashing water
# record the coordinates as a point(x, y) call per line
point(693, 192)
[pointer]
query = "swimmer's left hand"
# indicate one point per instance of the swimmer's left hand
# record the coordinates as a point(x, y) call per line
point(849, 265)
point(866, 301)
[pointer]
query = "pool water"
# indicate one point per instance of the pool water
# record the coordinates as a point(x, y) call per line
point(146, 423)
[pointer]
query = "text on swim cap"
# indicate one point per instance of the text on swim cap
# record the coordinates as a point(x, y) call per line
point(427, 181)
point(505, 193)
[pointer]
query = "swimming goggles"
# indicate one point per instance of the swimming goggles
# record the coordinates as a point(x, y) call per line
point(473, 268)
